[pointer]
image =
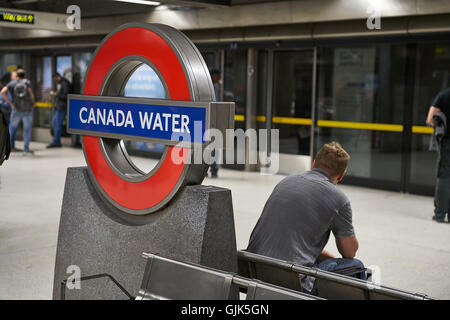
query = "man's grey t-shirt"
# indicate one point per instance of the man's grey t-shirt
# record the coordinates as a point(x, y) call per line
point(298, 216)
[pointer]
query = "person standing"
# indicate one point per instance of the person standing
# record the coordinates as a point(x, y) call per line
point(215, 77)
point(301, 212)
point(61, 109)
point(22, 104)
point(441, 103)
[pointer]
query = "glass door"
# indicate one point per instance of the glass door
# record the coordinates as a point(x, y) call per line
point(287, 100)
point(42, 71)
point(360, 104)
point(432, 74)
point(292, 100)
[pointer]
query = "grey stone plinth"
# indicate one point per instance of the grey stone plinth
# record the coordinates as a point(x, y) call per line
point(198, 227)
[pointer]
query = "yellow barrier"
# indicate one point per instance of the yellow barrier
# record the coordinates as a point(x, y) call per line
point(41, 104)
point(361, 125)
point(341, 124)
point(422, 129)
point(286, 120)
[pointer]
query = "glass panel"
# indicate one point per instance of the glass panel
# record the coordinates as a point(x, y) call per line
point(235, 82)
point(145, 83)
point(43, 86)
point(432, 76)
point(81, 61)
point(292, 99)
point(358, 84)
point(210, 60)
point(261, 97)
point(9, 62)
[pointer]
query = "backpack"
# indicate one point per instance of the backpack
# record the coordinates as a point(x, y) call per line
point(5, 147)
point(20, 95)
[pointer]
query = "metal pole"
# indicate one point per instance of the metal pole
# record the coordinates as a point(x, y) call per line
point(313, 103)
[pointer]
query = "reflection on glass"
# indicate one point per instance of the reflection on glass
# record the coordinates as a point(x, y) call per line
point(292, 99)
point(363, 84)
point(64, 67)
point(145, 83)
point(235, 81)
point(432, 76)
point(81, 61)
point(210, 60)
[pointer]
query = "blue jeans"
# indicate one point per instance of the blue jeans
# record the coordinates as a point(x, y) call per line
point(57, 122)
point(14, 122)
point(214, 167)
point(335, 265)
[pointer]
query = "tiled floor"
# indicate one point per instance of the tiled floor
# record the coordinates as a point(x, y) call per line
point(395, 230)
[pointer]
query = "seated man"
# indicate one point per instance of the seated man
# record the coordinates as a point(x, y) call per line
point(303, 208)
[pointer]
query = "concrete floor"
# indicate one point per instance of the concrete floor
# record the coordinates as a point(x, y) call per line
point(395, 230)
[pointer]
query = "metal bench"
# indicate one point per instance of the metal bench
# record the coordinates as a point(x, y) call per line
point(166, 278)
point(330, 285)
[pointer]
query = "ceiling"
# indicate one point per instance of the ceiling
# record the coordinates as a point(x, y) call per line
point(91, 8)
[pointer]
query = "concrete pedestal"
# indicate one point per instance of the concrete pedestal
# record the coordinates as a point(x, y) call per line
point(198, 227)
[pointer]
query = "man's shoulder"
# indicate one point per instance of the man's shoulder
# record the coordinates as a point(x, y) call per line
point(444, 94)
point(11, 84)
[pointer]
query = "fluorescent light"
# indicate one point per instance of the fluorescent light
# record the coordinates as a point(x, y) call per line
point(149, 3)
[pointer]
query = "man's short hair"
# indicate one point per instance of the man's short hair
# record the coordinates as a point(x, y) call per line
point(332, 158)
point(20, 73)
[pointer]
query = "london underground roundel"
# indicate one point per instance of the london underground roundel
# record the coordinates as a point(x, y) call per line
point(104, 117)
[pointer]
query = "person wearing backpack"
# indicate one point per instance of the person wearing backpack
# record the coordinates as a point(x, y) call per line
point(22, 104)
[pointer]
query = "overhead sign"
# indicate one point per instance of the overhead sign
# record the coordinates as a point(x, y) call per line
point(158, 121)
point(36, 20)
point(16, 17)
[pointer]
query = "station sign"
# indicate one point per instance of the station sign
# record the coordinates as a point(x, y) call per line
point(158, 121)
point(105, 118)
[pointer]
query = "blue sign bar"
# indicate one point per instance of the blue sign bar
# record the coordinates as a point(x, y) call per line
point(160, 121)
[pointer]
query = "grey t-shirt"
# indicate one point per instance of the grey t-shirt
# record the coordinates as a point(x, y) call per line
point(298, 216)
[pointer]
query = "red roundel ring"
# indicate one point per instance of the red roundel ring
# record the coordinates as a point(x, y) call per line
point(177, 61)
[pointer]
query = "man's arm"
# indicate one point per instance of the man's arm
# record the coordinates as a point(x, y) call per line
point(347, 246)
point(31, 95)
point(431, 112)
point(4, 93)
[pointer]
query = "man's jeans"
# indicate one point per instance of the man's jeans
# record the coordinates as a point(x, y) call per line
point(57, 122)
point(27, 120)
point(333, 265)
point(442, 191)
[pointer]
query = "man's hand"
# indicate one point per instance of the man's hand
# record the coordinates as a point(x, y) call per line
point(431, 112)
point(326, 255)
